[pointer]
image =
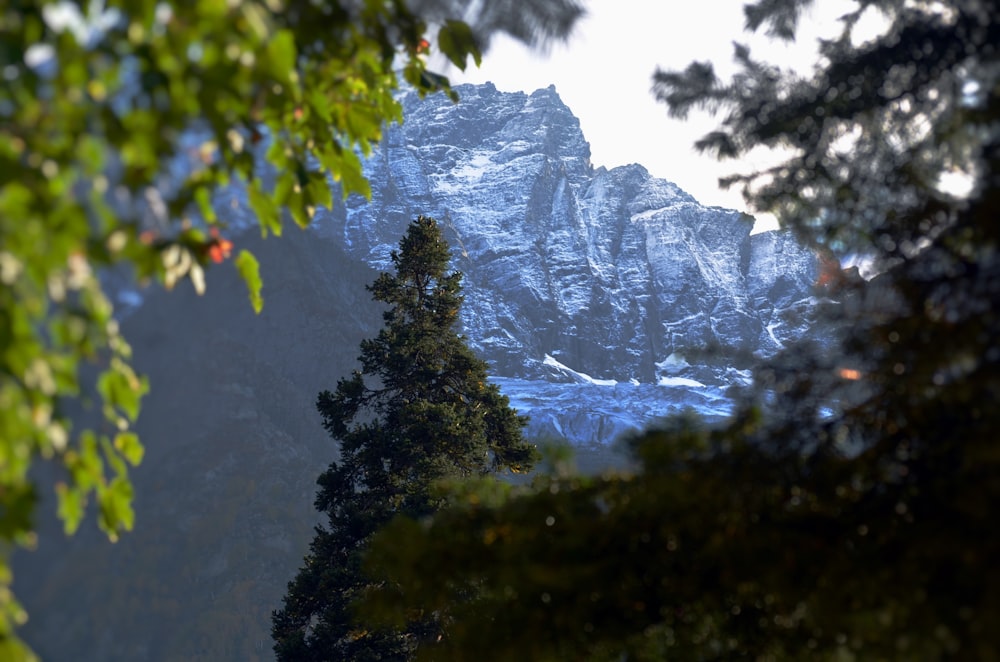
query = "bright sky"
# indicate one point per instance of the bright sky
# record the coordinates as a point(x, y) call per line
point(604, 74)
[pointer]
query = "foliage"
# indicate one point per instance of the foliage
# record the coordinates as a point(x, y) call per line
point(419, 411)
point(845, 511)
point(117, 124)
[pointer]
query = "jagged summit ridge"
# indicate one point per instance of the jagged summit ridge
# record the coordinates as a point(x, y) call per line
point(610, 271)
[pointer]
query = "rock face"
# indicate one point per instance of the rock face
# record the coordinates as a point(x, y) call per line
point(611, 272)
point(590, 290)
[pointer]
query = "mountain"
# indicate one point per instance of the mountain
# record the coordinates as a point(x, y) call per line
point(611, 272)
point(614, 274)
point(602, 298)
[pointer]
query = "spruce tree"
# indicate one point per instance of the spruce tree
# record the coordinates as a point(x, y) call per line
point(419, 410)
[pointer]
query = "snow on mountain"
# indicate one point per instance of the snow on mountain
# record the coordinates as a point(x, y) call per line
point(586, 413)
point(573, 274)
point(608, 271)
point(577, 377)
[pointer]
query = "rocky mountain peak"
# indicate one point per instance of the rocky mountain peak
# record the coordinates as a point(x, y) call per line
point(611, 271)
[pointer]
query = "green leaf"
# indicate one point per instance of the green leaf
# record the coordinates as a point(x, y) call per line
point(320, 104)
point(431, 81)
point(330, 157)
point(455, 39)
point(297, 208)
point(121, 388)
point(352, 176)
point(318, 190)
point(17, 502)
point(85, 465)
point(281, 56)
point(249, 269)
point(114, 459)
point(71, 506)
point(267, 211)
point(203, 196)
point(115, 505)
point(363, 123)
point(91, 153)
point(12, 648)
point(345, 166)
point(127, 443)
point(284, 187)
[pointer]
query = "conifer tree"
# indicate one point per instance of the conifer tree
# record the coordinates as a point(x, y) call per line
point(419, 410)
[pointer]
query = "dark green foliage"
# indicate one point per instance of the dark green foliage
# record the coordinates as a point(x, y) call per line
point(847, 510)
point(419, 411)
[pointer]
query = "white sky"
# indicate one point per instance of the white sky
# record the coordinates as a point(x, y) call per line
point(604, 74)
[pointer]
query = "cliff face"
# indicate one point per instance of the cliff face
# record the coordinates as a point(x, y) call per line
point(590, 290)
point(609, 271)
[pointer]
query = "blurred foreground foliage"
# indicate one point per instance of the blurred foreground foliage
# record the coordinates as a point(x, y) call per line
point(847, 509)
point(118, 123)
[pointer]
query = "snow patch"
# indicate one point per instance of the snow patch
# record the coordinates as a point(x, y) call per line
point(770, 331)
point(579, 377)
point(679, 381)
point(673, 362)
point(587, 414)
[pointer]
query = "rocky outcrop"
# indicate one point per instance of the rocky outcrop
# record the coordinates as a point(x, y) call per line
point(609, 271)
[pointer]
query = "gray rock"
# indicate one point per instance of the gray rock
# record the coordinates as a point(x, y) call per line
point(610, 271)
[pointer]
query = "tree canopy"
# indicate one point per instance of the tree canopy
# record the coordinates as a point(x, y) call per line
point(119, 124)
point(845, 510)
point(419, 411)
